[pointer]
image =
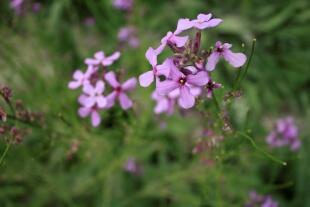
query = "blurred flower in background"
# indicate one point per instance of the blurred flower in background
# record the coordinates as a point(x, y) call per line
point(131, 166)
point(89, 21)
point(17, 6)
point(123, 4)
point(256, 200)
point(285, 133)
point(128, 35)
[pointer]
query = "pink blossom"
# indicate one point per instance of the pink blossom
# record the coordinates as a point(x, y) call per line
point(93, 112)
point(17, 5)
point(101, 59)
point(164, 104)
point(123, 4)
point(223, 50)
point(172, 38)
point(93, 96)
point(119, 90)
point(128, 34)
point(178, 80)
point(80, 78)
point(147, 78)
point(204, 21)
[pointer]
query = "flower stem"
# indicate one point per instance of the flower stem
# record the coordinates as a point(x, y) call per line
point(241, 77)
point(271, 157)
point(4, 153)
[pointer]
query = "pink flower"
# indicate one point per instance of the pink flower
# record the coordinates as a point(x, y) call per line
point(17, 5)
point(93, 95)
point(178, 80)
point(171, 38)
point(123, 4)
point(100, 58)
point(119, 90)
point(147, 78)
point(223, 50)
point(93, 112)
point(164, 104)
point(128, 34)
point(80, 78)
point(204, 21)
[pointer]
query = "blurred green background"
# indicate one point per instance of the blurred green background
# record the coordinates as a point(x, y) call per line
point(39, 52)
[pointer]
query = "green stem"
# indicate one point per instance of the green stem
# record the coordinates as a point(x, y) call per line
point(216, 103)
point(240, 79)
point(261, 150)
point(4, 153)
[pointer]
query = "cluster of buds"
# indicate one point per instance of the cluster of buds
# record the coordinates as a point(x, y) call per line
point(257, 200)
point(285, 133)
point(92, 82)
point(183, 76)
point(8, 128)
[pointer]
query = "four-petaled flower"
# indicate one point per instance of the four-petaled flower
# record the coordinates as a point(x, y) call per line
point(204, 21)
point(101, 59)
point(119, 90)
point(183, 82)
point(223, 50)
point(93, 95)
point(211, 85)
point(80, 78)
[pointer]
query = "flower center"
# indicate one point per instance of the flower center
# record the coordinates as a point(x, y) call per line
point(118, 89)
point(182, 81)
point(219, 49)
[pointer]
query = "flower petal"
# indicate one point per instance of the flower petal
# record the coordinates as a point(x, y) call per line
point(183, 24)
point(204, 17)
point(111, 99)
point(88, 89)
point(186, 100)
point(166, 87)
point(99, 55)
point(95, 118)
point(101, 101)
point(151, 56)
point(74, 84)
point(78, 75)
point(212, 61)
point(161, 106)
point(129, 84)
point(110, 60)
point(179, 41)
point(199, 79)
point(125, 102)
point(111, 79)
point(235, 59)
point(99, 87)
point(89, 102)
point(84, 111)
point(146, 78)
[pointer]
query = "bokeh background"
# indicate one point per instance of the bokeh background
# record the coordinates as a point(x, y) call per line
point(39, 50)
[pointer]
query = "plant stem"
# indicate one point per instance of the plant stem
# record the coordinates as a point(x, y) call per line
point(4, 153)
point(261, 150)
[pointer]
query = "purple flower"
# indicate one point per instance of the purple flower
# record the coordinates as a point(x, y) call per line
point(80, 78)
point(93, 96)
point(89, 21)
point(123, 4)
point(183, 82)
point(36, 7)
point(131, 166)
point(285, 133)
point(101, 59)
point(171, 38)
point(17, 5)
point(119, 90)
point(204, 21)
point(128, 34)
point(223, 50)
point(211, 85)
point(147, 78)
point(93, 112)
point(164, 104)
point(256, 200)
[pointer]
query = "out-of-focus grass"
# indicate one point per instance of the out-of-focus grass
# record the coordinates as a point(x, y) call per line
point(38, 53)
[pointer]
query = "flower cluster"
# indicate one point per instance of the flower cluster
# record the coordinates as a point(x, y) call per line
point(285, 133)
point(133, 167)
point(123, 4)
point(257, 200)
point(92, 81)
point(182, 77)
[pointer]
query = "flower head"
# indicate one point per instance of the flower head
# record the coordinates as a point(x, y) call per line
point(285, 133)
point(132, 166)
point(123, 4)
point(101, 59)
point(204, 21)
point(128, 34)
point(183, 82)
point(93, 95)
point(120, 90)
point(80, 78)
point(211, 85)
point(223, 50)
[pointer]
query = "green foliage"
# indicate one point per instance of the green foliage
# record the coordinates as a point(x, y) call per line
point(39, 51)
